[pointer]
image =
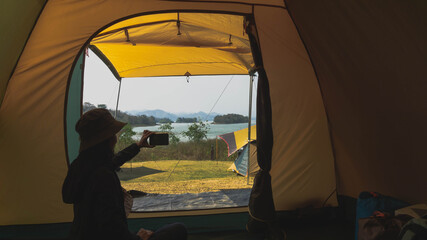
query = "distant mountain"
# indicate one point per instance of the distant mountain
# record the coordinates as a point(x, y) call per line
point(157, 113)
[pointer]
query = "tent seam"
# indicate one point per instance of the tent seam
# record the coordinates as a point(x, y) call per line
point(230, 2)
point(106, 61)
point(169, 64)
point(323, 101)
point(22, 51)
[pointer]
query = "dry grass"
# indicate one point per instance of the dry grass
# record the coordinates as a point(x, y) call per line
point(181, 176)
point(190, 186)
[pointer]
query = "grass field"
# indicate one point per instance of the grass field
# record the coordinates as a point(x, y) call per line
point(202, 150)
point(180, 176)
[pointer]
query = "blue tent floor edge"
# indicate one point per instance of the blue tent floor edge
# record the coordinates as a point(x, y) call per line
point(195, 224)
point(298, 230)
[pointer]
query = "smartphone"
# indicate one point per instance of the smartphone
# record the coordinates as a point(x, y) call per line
point(158, 138)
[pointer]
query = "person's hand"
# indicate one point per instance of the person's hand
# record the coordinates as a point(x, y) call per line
point(144, 234)
point(143, 141)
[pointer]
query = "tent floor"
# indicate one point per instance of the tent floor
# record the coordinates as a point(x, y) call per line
point(323, 231)
point(191, 201)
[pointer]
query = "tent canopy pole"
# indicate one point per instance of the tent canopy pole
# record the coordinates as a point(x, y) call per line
point(118, 97)
point(251, 80)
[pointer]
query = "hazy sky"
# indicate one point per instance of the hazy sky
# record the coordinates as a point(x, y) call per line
point(171, 94)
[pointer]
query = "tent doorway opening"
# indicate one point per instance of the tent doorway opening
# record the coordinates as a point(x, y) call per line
point(166, 64)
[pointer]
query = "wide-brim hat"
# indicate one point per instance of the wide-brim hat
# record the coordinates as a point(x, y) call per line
point(96, 126)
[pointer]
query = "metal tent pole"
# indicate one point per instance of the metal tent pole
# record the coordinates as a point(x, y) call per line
point(251, 80)
point(118, 97)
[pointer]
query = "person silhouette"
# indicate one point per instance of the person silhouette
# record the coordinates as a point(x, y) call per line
point(94, 189)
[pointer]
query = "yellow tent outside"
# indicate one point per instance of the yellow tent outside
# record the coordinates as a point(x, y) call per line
point(238, 139)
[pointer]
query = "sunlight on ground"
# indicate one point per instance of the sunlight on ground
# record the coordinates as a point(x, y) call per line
point(185, 176)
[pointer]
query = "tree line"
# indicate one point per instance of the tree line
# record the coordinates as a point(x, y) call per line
point(144, 120)
point(231, 118)
point(186, 120)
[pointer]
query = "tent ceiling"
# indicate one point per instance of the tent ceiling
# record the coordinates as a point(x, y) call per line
point(160, 45)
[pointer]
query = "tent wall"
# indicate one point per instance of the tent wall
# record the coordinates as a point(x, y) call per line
point(371, 58)
point(32, 114)
point(17, 19)
point(302, 169)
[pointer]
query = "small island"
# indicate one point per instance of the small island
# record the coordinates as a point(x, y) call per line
point(230, 118)
point(164, 120)
point(186, 120)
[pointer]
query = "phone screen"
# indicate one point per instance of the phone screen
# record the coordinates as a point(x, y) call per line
point(159, 139)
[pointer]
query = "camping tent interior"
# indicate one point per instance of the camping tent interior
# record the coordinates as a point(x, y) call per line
point(341, 103)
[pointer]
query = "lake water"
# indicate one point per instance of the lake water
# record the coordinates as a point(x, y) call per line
point(214, 129)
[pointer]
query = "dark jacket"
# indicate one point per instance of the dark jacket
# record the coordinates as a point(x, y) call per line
point(93, 186)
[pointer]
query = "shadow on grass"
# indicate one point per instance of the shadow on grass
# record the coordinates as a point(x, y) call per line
point(126, 174)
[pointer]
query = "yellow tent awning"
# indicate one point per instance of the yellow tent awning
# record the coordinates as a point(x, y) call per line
point(172, 44)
